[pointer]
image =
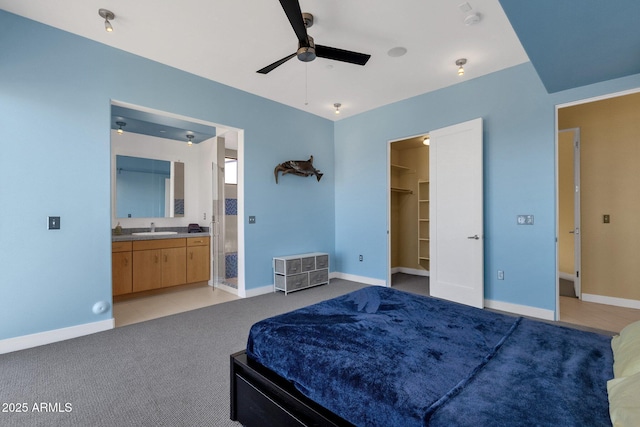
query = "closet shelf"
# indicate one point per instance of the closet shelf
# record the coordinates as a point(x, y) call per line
point(401, 190)
point(401, 169)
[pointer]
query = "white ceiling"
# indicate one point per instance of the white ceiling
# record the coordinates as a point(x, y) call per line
point(229, 40)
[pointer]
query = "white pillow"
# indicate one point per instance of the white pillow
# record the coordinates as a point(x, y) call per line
point(624, 404)
point(626, 351)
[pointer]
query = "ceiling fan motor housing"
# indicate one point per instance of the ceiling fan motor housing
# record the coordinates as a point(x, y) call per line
point(307, 53)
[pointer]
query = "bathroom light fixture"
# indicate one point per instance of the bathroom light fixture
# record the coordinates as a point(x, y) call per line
point(120, 126)
point(426, 140)
point(189, 140)
point(107, 15)
point(337, 105)
point(460, 62)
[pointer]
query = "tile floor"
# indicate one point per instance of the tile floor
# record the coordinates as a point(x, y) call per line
point(152, 307)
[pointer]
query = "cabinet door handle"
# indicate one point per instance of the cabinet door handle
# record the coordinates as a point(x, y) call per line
point(165, 258)
point(191, 255)
point(156, 259)
point(126, 262)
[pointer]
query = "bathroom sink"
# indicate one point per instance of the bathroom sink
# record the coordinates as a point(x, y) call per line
point(154, 233)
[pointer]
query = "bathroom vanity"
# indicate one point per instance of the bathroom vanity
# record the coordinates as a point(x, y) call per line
point(141, 264)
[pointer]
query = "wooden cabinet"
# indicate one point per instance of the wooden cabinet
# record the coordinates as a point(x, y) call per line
point(159, 264)
point(198, 261)
point(174, 266)
point(423, 224)
point(121, 268)
point(295, 272)
point(144, 265)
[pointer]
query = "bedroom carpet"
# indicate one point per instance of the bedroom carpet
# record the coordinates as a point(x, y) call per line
point(172, 371)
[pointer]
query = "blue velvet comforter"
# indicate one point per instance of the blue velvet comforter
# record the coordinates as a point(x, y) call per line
point(381, 357)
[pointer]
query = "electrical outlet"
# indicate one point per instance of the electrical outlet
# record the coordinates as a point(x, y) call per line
point(252, 219)
point(500, 275)
point(204, 216)
point(606, 219)
point(360, 258)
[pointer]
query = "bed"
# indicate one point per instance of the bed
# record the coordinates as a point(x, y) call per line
point(382, 357)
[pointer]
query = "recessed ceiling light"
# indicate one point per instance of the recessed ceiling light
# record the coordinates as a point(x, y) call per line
point(397, 51)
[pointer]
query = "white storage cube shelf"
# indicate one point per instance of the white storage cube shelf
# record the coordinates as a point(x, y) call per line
point(296, 272)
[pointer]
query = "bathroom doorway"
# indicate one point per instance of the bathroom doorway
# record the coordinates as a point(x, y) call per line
point(225, 220)
point(193, 144)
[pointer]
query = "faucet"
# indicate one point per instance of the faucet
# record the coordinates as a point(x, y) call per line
point(153, 227)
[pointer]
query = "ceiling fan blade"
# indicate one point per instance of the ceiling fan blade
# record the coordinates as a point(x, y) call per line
point(342, 55)
point(294, 13)
point(276, 64)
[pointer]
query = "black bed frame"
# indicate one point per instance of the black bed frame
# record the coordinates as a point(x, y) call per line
point(259, 397)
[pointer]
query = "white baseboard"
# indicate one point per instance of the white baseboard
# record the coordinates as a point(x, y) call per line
point(259, 291)
point(566, 276)
point(523, 310)
point(361, 279)
point(619, 302)
point(41, 338)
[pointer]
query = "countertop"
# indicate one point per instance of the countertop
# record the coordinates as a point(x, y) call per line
point(179, 235)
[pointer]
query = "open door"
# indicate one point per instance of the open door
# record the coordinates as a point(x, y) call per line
point(456, 213)
point(217, 241)
point(569, 207)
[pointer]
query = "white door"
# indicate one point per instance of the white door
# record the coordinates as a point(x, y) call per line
point(218, 226)
point(456, 213)
point(569, 206)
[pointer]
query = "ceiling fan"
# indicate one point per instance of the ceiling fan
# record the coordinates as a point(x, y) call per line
point(307, 49)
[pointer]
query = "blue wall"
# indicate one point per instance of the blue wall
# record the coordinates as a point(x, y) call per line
point(519, 176)
point(55, 94)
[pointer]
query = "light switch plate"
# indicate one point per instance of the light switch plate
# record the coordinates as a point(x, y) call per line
point(53, 223)
point(525, 219)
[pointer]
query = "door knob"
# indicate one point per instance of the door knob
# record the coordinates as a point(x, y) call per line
point(474, 237)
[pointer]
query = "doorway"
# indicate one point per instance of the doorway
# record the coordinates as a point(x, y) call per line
point(608, 229)
point(408, 202)
point(192, 144)
point(569, 213)
point(435, 206)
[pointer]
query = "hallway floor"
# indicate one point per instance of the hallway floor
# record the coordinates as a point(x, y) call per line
point(599, 316)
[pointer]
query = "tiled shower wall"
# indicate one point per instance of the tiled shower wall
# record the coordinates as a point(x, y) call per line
point(231, 232)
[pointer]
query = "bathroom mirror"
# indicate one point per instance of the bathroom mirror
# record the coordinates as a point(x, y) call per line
point(149, 188)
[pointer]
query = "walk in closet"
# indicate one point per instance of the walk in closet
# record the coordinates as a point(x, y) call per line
point(409, 206)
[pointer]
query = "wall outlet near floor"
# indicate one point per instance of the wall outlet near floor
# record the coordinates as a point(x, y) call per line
point(500, 275)
point(360, 258)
